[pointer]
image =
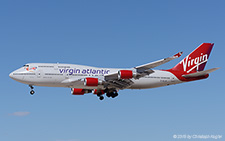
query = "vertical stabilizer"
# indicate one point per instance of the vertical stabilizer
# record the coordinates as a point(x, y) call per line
point(196, 60)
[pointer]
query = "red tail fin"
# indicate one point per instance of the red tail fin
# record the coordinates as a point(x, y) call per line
point(196, 60)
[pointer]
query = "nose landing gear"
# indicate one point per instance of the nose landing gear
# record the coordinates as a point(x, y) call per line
point(31, 91)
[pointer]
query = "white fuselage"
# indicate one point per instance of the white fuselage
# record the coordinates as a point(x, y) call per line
point(60, 75)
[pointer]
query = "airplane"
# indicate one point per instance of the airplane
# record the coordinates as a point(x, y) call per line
point(86, 79)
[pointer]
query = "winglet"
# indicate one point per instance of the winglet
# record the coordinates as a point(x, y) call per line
point(178, 55)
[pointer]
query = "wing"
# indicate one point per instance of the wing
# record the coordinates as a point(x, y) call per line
point(112, 80)
point(157, 63)
point(118, 83)
point(71, 82)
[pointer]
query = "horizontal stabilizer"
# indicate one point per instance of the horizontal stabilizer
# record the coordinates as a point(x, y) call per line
point(200, 73)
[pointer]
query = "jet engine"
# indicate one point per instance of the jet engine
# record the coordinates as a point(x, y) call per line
point(125, 74)
point(92, 82)
point(76, 91)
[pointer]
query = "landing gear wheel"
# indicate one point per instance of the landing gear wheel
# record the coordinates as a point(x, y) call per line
point(108, 94)
point(101, 98)
point(114, 95)
point(32, 92)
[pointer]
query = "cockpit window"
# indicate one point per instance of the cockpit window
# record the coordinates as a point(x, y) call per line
point(25, 65)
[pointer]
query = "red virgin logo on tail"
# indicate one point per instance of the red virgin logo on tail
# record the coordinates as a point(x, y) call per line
point(191, 63)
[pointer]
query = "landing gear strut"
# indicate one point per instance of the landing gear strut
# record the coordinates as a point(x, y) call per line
point(31, 91)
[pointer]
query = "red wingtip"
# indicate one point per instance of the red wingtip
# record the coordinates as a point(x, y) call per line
point(178, 54)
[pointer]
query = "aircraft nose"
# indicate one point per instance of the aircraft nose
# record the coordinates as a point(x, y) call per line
point(11, 75)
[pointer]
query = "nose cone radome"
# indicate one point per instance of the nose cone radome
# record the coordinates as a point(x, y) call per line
point(11, 75)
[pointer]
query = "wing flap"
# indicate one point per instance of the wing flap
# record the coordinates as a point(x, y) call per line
point(200, 73)
point(119, 83)
point(111, 76)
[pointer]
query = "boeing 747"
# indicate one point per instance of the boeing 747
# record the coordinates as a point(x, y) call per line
point(86, 79)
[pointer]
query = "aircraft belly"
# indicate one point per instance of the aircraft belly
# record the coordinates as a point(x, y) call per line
point(145, 83)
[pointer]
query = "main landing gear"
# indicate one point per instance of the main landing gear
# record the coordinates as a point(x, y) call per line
point(31, 91)
point(112, 94)
point(101, 97)
point(109, 93)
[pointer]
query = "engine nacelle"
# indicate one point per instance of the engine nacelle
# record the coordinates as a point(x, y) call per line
point(125, 74)
point(95, 91)
point(92, 82)
point(76, 91)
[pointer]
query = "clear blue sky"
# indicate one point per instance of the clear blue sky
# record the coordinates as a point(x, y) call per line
point(110, 34)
